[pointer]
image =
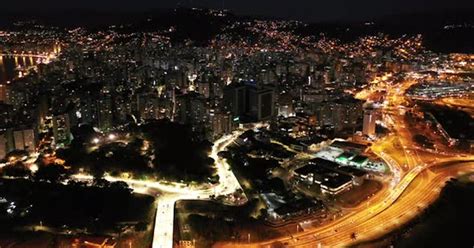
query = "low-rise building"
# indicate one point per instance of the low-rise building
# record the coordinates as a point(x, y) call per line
point(330, 180)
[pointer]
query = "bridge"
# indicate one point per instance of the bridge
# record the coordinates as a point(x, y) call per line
point(32, 55)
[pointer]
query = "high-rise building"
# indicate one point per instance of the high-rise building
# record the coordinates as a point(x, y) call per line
point(250, 100)
point(105, 112)
point(369, 122)
point(5, 114)
point(221, 123)
point(7, 143)
point(123, 108)
point(87, 111)
point(29, 137)
point(16, 97)
point(325, 114)
point(204, 89)
point(43, 110)
point(3, 146)
point(235, 99)
point(3, 93)
point(24, 139)
point(346, 114)
point(261, 103)
point(61, 129)
point(19, 140)
point(192, 109)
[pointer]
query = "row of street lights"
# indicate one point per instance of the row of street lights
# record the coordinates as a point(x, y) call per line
point(110, 137)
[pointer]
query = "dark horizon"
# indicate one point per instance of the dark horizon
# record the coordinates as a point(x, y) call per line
point(334, 11)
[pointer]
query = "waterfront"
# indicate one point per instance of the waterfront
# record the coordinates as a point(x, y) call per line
point(10, 65)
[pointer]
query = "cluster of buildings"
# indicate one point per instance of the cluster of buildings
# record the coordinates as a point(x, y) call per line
point(110, 78)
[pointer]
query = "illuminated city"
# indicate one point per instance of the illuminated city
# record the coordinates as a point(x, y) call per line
point(212, 124)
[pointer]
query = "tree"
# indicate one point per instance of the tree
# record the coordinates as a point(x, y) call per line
point(16, 170)
point(276, 185)
point(178, 153)
point(52, 173)
point(141, 226)
point(120, 186)
point(353, 236)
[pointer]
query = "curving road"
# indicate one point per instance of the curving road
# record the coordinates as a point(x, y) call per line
point(172, 192)
point(418, 176)
point(228, 183)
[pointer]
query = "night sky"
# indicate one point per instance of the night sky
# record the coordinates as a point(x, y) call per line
point(307, 10)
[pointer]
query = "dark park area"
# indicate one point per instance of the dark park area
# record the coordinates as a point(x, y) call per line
point(458, 124)
point(159, 149)
point(72, 208)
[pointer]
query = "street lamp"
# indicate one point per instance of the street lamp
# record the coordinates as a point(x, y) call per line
point(95, 141)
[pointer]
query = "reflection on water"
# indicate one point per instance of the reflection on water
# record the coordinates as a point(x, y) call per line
point(9, 66)
point(16, 64)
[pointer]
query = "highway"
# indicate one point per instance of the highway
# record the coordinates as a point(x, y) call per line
point(421, 192)
point(417, 178)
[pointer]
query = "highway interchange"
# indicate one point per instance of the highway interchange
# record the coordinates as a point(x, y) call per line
point(419, 175)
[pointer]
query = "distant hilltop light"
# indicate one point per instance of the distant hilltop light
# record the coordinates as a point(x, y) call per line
point(455, 26)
